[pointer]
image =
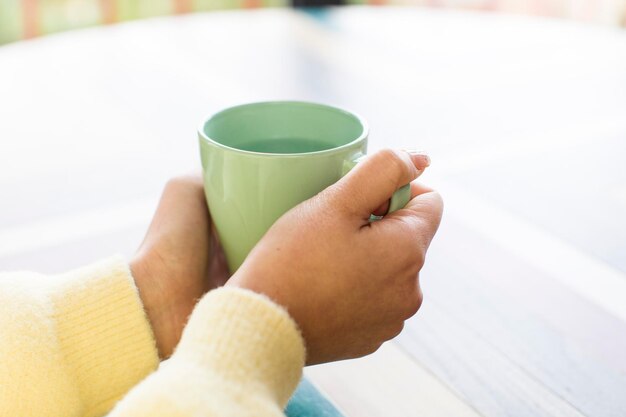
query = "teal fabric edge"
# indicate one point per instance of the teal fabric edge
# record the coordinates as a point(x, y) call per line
point(307, 401)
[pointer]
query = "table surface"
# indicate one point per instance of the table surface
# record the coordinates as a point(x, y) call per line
point(525, 284)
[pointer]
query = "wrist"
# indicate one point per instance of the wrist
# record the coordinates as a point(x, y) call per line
point(257, 343)
point(247, 279)
point(151, 297)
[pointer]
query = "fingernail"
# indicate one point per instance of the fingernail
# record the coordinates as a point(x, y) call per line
point(420, 153)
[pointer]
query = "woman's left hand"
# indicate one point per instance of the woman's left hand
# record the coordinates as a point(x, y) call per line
point(179, 260)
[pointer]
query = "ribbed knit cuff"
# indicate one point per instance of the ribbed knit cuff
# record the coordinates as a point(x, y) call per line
point(104, 335)
point(247, 339)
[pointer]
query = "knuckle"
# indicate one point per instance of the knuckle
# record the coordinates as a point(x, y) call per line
point(390, 332)
point(414, 303)
point(181, 182)
point(373, 347)
point(174, 182)
point(394, 161)
point(396, 330)
point(388, 154)
point(177, 182)
point(412, 252)
point(412, 298)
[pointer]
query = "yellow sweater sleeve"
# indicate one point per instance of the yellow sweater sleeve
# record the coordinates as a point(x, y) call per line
point(71, 345)
point(240, 355)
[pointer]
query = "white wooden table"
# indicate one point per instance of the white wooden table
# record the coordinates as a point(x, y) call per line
point(525, 285)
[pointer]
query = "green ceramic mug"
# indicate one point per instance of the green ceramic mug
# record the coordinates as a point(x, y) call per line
point(262, 159)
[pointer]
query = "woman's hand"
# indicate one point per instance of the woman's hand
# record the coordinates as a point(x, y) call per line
point(348, 283)
point(179, 260)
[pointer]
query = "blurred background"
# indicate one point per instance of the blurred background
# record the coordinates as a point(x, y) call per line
point(521, 105)
point(21, 19)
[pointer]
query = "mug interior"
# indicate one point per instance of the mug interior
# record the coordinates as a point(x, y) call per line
point(284, 127)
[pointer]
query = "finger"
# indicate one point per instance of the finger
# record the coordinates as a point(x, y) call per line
point(416, 189)
point(372, 182)
point(418, 221)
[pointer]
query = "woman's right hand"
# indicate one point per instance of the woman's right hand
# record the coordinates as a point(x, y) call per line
point(348, 283)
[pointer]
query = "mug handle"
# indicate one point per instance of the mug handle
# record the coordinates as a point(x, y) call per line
point(399, 199)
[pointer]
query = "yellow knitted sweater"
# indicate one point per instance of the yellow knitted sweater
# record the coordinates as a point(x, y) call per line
point(73, 345)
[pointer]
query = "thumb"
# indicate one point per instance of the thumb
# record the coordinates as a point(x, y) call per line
point(372, 182)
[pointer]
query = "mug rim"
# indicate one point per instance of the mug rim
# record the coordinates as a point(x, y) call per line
point(202, 134)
